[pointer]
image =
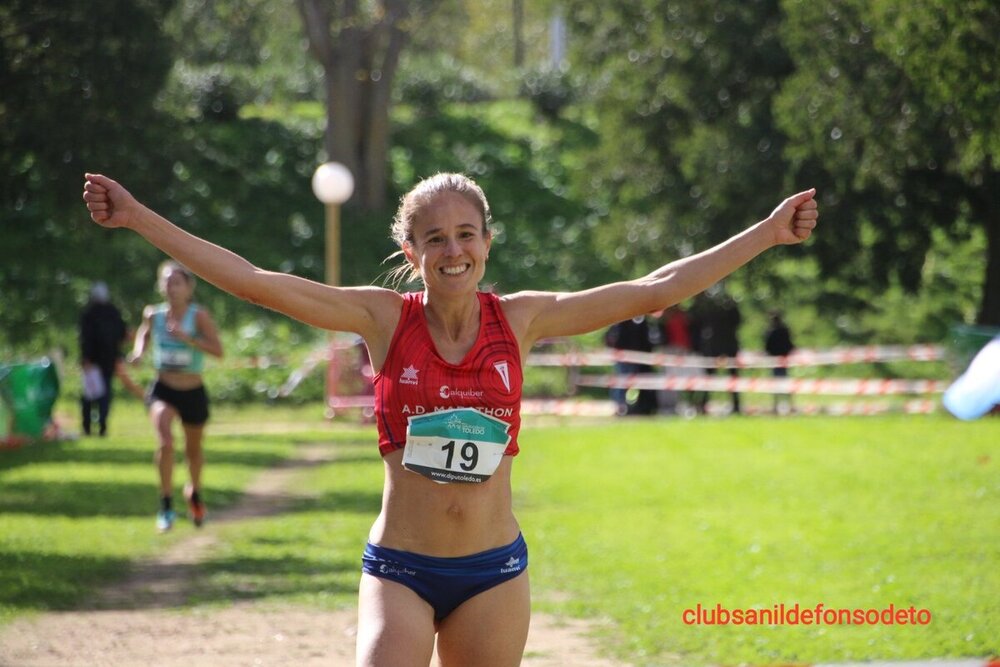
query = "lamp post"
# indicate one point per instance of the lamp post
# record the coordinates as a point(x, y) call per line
point(332, 184)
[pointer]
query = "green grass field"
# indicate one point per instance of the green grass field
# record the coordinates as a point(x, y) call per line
point(631, 521)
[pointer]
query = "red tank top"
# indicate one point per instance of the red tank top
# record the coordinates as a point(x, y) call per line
point(415, 380)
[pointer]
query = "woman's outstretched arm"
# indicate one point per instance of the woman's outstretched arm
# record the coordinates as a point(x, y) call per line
point(549, 314)
point(359, 310)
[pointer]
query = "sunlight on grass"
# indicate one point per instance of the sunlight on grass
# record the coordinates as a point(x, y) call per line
point(632, 521)
point(641, 521)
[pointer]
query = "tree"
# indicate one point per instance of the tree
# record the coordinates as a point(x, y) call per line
point(684, 94)
point(895, 105)
point(358, 45)
point(78, 87)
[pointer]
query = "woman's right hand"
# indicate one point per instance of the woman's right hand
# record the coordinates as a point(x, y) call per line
point(110, 204)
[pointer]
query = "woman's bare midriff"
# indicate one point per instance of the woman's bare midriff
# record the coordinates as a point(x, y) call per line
point(180, 381)
point(444, 520)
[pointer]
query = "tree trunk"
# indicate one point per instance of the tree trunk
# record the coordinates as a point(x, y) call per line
point(386, 42)
point(517, 7)
point(359, 60)
point(987, 209)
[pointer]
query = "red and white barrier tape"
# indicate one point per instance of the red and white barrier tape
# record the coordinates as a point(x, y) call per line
point(832, 357)
point(601, 408)
point(606, 408)
point(830, 386)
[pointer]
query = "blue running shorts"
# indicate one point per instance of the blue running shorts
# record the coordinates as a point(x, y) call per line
point(445, 583)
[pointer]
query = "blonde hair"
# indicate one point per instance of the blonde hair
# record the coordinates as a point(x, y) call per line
point(414, 202)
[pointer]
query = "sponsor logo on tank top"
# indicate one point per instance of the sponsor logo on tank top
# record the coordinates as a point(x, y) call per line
point(502, 368)
point(448, 392)
point(418, 409)
point(409, 376)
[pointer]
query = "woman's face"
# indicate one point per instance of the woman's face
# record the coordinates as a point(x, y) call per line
point(450, 244)
point(176, 286)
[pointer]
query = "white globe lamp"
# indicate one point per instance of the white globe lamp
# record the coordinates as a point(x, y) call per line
point(333, 184)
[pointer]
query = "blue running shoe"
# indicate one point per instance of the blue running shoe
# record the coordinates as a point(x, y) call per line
point(165, 520)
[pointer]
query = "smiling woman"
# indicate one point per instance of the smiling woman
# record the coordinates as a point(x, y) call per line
point(446, 560)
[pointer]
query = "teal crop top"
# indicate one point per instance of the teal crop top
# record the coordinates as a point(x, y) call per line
point(170, 354)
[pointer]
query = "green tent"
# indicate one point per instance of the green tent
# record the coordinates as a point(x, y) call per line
point(27, 394)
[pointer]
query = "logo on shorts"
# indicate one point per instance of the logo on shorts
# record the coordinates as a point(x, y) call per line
point(502, 368)
point(389, 569)
point(409, 375)
point(512, 565)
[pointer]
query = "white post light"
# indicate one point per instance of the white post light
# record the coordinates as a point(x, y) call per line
point(333, 184)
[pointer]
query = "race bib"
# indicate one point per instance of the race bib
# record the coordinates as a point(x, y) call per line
point(177, 357)
point(460, 445)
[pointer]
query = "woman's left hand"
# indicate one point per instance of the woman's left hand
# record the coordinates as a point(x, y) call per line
point(795, 218)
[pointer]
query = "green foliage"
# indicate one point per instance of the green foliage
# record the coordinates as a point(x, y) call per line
point(254, 46)
point(261, 356)
point(550, 90)
point(427, 82)
point(209, 94)
point(711, 111)
point(525, 179)
point(948, 50)
point(689, 152)
point(697, 118)
point(78, 86)
point(864, 117)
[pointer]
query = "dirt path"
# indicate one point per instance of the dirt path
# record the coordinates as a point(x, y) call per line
point(143, 620)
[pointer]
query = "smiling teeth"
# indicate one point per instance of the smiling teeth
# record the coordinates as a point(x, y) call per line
point(455, 270)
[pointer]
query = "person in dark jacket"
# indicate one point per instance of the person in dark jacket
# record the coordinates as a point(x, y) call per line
point(102, 331)
point(778, 343)
point(633, 335)
point(716, 322)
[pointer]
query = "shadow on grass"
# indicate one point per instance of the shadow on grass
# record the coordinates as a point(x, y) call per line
point(132, 456)
point(226, 580)
point(71, 452)
point(41, 581)
point(249, 578)
point(354, 502)
point(89, 499)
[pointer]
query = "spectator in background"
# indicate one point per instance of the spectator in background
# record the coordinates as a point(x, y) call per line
point(102, 332)
point(778, 343)
point(676, 337)
point(631, 335)
point(717, 321)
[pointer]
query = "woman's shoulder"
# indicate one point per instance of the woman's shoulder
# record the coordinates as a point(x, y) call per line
point(199, 312)
point(527, 300)
point(521, 308)
point(386, 305)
